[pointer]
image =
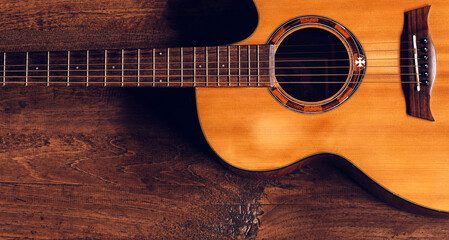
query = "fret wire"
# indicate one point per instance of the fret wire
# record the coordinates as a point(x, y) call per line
point(138, 67)
point(258, 70)
point(168, 67)
point(4, 69)
point(207, 71)
point(218, 65)
point(194, 66)
point(48, 68)
point(249, 66)
point(182, 68)
point(239, 65)
point(105, 66)
point(26, 69)
point(154, 70)
point(123, 63)
point(229, 66)
point(68, 68)
point(87, 68)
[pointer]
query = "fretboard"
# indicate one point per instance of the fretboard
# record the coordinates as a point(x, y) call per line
point(222, 66)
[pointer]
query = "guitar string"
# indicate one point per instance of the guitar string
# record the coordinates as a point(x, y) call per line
point(200, 62)
point(225, 83)
point(224, 72)
point(226, 75)
point(334, 44)
point(164, 81)
point(191, 69)
point(186, 84)
point(64, 66)
point(224, 69)
point(305, 52)
point(339, 60)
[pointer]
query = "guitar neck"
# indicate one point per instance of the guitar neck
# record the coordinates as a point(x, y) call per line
point(220, 66)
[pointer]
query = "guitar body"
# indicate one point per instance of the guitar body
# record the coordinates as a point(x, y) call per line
point(408, 156)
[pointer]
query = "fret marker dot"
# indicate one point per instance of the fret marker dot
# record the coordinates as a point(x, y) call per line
point(77, 67)
point(160, 80)
point(223, 65)
point(199, 66)
point(113, 67)
point(160, 53)
point(37, 68)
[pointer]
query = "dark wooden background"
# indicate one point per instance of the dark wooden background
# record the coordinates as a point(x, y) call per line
point(132, 163)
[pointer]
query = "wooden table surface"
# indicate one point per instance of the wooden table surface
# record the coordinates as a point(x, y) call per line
point(132, 163)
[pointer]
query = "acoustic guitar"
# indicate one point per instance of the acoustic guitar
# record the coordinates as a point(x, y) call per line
point(353, 81)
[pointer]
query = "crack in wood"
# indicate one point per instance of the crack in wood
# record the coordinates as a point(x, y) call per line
point(77, 161)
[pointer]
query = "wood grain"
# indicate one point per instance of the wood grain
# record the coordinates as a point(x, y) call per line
point(132, 163)
point(371, 130)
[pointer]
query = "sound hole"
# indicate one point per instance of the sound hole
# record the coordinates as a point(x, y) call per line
point(312, 64)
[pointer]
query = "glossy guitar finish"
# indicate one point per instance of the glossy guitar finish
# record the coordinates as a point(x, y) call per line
point(407, 156)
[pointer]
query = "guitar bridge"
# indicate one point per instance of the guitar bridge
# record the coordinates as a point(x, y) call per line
point(418, 63)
